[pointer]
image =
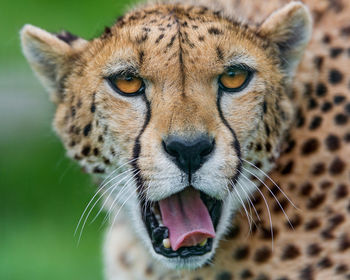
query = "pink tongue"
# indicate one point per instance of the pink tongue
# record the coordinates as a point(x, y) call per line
point(187, 219)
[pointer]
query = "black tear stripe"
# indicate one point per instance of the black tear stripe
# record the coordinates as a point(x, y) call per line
point(236, 145)
point(137, 148)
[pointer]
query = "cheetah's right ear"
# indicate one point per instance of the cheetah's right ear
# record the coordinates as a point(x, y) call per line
point(290, 29)
point(50, 56)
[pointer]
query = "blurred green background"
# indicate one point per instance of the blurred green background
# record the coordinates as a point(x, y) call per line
point(43, 193)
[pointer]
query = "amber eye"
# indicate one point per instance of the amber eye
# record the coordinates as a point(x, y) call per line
point(234, 79)
point(127, 85)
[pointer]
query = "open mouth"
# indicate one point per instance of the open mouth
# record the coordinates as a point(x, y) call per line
point(184, 224)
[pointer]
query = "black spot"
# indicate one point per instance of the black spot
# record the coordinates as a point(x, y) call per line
point(268, 147)
point(265, 232)
point(98, 170)
point(345, 31)
point(344, 243)
point(246, 274)
point(142, 38)
point(219, 53)
point(87, 129)
point(312, 224)
point(313, 249)
point(86, 150)
point(315, 123)
point(290, 252)
point(341, 191)
point(258, 147)
point(306, 273)
point(318, 169)
point(327, 233)
point(295, 221)
point(288, 168)
point(141, 57)
point(171, 42)
point(267, 129)
point(215, 31)
point(290, 146)
point(262, 254)
point(201, 38)
point(335, 52)
point(325, 263)
point(347, 108)
point(315, 201)
point(335, 76)
point(326, 107)
point(264, 107)
point(325, 185)
point(161, 36)
point(73, 111)
point(341, 268)
point(310, 146)
point(338, 99)
point(100, 138)
point(332, 142)
point(305, 189)
point(318, 60)
point(233, 232)
point(312, 104)
point(347, 137)
point(79, 103)
point(326, 39)
point(241, 253)
point(335, 221)
point(225, 275)
point(321, 89)
point(96, 152)
point(337, 166)
point(340, 119)
point(67, 37)
point(300, 118)
point(93, 108)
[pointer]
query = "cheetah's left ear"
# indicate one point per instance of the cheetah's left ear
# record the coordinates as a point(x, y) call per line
point(290, 29)
point(51, 56)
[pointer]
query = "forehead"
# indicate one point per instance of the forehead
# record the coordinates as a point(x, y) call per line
point(185, 39)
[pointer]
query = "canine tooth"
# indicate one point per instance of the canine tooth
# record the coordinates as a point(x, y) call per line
point(203, 242)
point(166, 243)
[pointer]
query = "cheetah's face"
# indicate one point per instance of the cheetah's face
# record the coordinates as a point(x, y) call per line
point(172, 101)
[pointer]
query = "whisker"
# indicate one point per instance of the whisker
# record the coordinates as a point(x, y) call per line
point(274, 196)
point(123, 191)
point(120, 208)
point(280, 189)
point(266, 204)
point(110, 193)
point(243, 204)
point(248, 197)
point(86, 208)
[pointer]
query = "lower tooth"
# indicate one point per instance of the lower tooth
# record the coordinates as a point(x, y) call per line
point(166, 243)
point(203, 243)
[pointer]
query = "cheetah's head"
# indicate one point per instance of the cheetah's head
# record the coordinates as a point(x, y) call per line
point(172, 106)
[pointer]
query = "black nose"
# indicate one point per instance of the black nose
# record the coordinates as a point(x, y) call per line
point(189, 154)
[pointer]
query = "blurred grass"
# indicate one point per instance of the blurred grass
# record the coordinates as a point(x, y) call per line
point(42, 193)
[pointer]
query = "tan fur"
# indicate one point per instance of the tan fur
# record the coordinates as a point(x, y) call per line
point(99, 129)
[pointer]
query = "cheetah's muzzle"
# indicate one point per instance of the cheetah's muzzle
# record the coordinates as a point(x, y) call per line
point(191, 218)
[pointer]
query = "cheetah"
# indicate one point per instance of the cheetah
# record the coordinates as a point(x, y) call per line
point(218, 132)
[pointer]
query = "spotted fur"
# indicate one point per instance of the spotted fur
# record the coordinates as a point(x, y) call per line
point(291, 121)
